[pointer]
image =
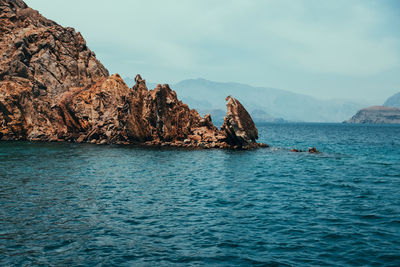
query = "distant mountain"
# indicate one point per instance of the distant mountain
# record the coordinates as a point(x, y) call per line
point(377, 114)
point(393, 101)
point(264, 104)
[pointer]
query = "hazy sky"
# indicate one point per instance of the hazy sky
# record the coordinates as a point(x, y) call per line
point(328, 49)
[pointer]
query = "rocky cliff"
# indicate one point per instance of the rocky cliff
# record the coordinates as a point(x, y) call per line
point(377, 114)
point(52, 88)
point(40, 60)
point(111, 112)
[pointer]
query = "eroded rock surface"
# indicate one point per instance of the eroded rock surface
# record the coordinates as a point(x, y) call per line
point(39, 60)
point(111, 112)
point(52, 88)
point(238, 126)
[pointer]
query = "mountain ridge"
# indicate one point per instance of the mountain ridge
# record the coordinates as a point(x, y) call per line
point(205, 95)
point(277, 103)
point(393, 101)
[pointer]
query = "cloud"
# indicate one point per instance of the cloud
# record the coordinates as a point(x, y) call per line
point(263, 40)
point(345, 46)
point(317, 36)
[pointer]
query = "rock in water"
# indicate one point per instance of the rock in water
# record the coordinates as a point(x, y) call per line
point(313, 150)
point(52, 88)
point(238, 126)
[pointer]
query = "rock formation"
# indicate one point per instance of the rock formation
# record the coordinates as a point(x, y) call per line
point(238, 126)
point(377, 114)
point(39, 61)
point(52, 88)
point(111, 112)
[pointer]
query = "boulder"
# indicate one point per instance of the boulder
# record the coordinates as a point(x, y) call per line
point(239, 127)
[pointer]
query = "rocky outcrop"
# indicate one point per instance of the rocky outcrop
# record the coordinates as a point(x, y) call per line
point(111, 112)
point(39, 61)
point(238, 126)
point(51, 57)
point(52, 88)
point(377, 114)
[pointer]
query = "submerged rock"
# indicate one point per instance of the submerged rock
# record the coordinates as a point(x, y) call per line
point(312, 150)
point(52, 88)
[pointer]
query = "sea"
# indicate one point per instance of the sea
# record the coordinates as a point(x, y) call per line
point(65, 204)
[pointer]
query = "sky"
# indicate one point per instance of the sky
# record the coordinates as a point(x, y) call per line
point(342, 49)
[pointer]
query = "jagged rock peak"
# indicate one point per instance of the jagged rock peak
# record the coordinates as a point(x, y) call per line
point(52, 88)
point(239, 127)
point(51, 57)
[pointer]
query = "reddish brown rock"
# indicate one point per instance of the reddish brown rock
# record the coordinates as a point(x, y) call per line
point(169, 118)
point(39, 61)
point(52, 88)
point(313, 150)
point(239, 127)
point(110, 111)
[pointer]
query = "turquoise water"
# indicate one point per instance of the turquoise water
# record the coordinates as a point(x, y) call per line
point(88, 205)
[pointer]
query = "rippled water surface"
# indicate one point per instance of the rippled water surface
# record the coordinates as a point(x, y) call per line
point(88, 205)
